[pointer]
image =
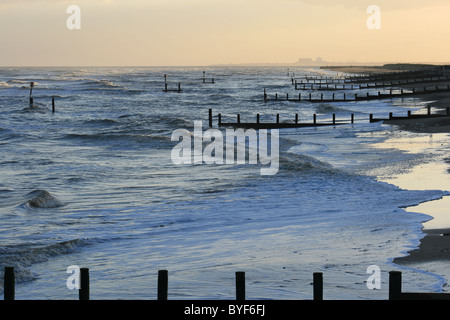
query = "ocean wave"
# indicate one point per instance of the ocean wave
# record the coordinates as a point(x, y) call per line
point(328, 108)
point(21, 257)
point(298, 162)
point(42, 199)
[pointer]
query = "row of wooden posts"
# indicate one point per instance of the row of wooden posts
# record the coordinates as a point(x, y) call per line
point(355, 97)
point(266, 125)
point(339, 85)
point(395, 286)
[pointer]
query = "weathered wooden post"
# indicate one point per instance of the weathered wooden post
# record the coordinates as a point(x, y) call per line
point(371, 117)
point(163, 282)
point(334, 118)
point(240, 285)
point(265, 95)
point(165, 83)
point(314, 118)
point(9, 284)
point(31, 88)
point(352, 118)
point(53, 104)
point(210, 118)
point(296, 118)
point(238, 118)
point(278, 118)
point(204, 80)
point(395, 285)
point(428, 110)
point(220, 119)
point(83, 292)
point(257, 118)
point(179, 87)
point(390, 115)
point(318, 286)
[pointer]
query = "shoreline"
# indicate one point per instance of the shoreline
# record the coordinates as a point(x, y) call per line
point(432, 254)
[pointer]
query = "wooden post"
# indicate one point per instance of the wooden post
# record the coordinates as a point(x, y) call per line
point(83, 292)
point(179, 87)
point(390, 115)
point(318, 286)
point(240, 285)
point(448, 111)
point(53, 104)
point(31, 88)
point(409, 113)
point(276, 96)
point(395, 285)
point(314, 118)
point(220, 119)
point(9, 284)
point(428, 110)
point(210, 118)
point(287, 96)
point(265, 95)
point(257, 118)
point(162, 284)
point(352, 118)
point(334, 118)
point(31, 101)
point(371, 117)
point(296, 117)
point(238, 118)
point(204, 77)
point(165, 83)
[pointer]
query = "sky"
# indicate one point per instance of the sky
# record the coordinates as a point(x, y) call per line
point(209, 32)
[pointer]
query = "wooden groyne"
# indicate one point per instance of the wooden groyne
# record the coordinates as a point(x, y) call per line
point(295, 123)
point(395, 287)
point(301, 85)
point(345, 97)
point(166, 89)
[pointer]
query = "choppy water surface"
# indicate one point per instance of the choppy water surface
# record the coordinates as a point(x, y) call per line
point(94, 185)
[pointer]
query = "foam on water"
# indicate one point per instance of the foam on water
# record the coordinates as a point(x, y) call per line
point(129, 211)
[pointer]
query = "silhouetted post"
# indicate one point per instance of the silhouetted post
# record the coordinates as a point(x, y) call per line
point(165, 82)
point(429, 110)
point(163, 284)
point(83, 292)
point(314, 118)
point(53, 104)
point(240, 285)
point(395, 285)
point(390, 115)
point(9, 284)
point(210, 118)
point(344, 96)
point(179, 87)
point(409, 113)
point(278, 118)
point(265, 95)
point(296, 118)
point(371, 117)
point(204, 80)
point(31, 101)
point(220, 119)
point(31, 88)
point(238, 118)
point(352, 118)
point(448, 111)
point(334, 118)
point(318, 286)
point(276, 96)
point(257, 118)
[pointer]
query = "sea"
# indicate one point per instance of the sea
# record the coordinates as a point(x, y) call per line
point(93, 185)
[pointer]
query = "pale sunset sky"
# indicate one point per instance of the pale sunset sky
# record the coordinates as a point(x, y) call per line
point(205, 32)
